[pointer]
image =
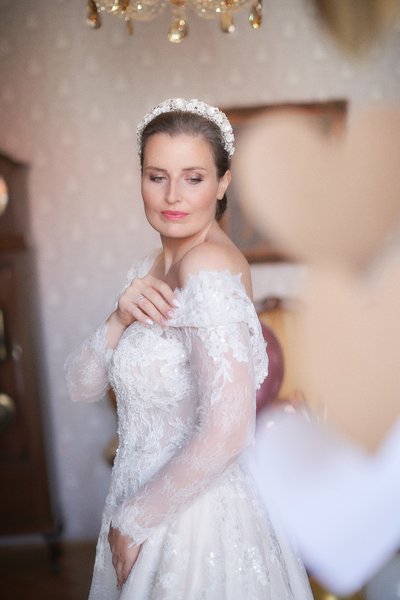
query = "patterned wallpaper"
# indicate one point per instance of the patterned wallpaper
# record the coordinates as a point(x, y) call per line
point(69, 102)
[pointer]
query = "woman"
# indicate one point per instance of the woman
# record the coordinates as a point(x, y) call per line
point(184, 354)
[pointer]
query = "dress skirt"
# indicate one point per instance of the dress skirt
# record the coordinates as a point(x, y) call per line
point(223, 547)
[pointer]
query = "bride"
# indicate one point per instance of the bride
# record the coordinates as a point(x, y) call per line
point(184, 353)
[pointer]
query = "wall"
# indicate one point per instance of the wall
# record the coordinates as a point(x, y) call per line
point(70, 99)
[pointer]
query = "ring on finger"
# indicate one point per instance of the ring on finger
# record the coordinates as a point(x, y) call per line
point(139, 299)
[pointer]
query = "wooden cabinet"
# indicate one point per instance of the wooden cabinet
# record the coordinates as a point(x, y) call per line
point(27, 499)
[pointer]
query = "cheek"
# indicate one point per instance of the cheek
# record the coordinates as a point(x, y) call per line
point(148, 196)
point(207, 208)
point(208, 197)
point(143, 191)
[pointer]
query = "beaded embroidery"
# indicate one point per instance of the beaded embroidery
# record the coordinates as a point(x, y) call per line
point(212, 113)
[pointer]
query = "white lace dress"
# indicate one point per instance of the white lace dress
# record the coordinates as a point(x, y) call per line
point(186, 410)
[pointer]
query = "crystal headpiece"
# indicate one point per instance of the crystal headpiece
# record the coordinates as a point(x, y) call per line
point(212, 113)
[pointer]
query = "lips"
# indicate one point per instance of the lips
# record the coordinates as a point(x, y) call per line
point(174, 215)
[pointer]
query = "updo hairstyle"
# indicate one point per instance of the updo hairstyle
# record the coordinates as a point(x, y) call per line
point(178, 122)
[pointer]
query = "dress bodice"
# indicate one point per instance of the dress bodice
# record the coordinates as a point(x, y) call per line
point(152, 365)
point(150, 375)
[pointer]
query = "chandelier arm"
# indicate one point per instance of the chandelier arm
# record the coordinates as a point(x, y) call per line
point(147, 10)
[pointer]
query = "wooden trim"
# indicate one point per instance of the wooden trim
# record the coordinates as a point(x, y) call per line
point(12, 243)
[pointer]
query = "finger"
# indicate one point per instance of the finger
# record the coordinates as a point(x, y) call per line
point(147, 315)
point(150, 297)
point(111, 535)
point(154, 308)
point(127, 568)
point(165, 291)
point(119, 573)
point(131, 302)
point(147, 286)
point(152, 303)
point(136, 554)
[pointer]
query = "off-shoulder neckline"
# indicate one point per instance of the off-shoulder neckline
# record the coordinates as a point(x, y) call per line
point(237, 277)
point(193, 276)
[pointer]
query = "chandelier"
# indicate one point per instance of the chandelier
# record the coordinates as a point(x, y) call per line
point(146, 10)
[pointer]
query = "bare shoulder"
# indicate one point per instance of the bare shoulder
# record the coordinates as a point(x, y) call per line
point(215, 256)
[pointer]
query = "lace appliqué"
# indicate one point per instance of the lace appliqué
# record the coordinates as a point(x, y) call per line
point(86, 370)
point(186, 410)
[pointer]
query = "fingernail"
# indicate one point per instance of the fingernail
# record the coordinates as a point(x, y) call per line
point(170, 314)
point(164, 322)
point(149, 322)
point(176, 302)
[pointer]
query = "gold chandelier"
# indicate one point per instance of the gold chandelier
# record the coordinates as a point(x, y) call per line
point(146, 10)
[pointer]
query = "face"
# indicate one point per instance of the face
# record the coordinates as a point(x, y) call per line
point(180, 186)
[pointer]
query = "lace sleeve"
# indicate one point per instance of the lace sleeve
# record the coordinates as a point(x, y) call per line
point(221, 361)
point(86, 370)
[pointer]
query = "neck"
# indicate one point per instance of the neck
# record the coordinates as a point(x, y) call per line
point(174, 249)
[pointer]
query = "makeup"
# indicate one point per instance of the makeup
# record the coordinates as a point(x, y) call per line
point(174, 215)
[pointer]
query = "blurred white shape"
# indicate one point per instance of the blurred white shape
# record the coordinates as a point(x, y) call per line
point(339, 503)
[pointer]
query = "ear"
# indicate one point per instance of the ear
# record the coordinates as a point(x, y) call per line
point(223, 184)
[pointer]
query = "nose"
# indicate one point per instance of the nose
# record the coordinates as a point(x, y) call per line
point(173, 195)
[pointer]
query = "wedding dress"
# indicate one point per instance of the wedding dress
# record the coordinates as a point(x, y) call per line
point(186, 410)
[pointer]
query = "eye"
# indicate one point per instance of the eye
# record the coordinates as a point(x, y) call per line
point(156, 178)
point(194, 180)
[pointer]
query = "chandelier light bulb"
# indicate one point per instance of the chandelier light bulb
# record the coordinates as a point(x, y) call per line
point(178, 31)
point(226, 22)
point(129, 25)
point(93, 18)
point(255, 16)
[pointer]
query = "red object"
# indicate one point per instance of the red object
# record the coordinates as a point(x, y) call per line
point(269, 390)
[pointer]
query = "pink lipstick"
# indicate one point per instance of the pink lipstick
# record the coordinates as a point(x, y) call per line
point(174, 215)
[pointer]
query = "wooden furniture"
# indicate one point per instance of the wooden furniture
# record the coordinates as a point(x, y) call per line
point(27, 505)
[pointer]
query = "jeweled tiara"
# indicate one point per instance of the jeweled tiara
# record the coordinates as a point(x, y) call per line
point(212, 113)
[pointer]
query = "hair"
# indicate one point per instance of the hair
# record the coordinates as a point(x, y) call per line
point(188, 123)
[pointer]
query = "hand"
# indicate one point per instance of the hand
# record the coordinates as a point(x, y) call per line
point(147, 300)
point(123, 557)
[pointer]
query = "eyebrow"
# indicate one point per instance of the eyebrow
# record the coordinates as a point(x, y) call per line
point(185, 169)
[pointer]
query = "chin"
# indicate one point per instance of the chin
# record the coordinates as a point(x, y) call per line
point(172, 230)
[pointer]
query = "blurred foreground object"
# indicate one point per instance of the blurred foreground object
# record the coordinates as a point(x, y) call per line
point(355, 24)
point(335, 204)
point(348, 348)
point(325, 199)
point(339, 503)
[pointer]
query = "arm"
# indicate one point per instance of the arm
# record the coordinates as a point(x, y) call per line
point(87, 369)
point(221, 362)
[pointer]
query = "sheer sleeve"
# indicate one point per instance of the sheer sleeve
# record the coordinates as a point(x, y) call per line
point(222, 363)
point(86, 369)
